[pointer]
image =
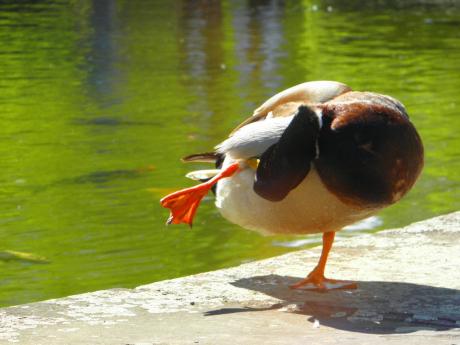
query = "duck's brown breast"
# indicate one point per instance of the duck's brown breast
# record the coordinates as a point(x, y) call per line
point(369, 152)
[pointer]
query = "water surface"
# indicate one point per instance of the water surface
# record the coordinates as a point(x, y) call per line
point(100, 99)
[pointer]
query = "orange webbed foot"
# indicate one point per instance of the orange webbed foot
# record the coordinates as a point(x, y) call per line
point(184, 203)
point(316, 281)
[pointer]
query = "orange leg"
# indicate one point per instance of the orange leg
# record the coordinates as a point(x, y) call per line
point(184, 203)
point(317, 278)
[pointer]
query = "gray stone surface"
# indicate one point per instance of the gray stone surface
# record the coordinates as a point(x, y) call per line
point(409, 293)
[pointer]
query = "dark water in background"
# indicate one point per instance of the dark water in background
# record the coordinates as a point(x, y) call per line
point(99, 100)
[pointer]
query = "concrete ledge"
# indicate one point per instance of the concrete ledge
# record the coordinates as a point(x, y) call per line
point(409, 293)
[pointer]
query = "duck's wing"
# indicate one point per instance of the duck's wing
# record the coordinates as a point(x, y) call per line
point(252, 140)
point(285, 147)
point(286, 102)
point(285, 164)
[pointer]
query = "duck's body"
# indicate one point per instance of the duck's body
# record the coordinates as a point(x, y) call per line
point(309, 208)
point(313, 158)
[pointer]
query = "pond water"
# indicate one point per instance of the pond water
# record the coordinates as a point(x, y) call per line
point(99, 100)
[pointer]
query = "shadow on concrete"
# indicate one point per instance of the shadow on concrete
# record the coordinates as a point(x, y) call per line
point(375, 307)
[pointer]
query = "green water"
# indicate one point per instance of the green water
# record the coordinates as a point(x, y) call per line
point(99, 100)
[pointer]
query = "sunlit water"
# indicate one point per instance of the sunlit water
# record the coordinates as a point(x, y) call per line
point(99, 100)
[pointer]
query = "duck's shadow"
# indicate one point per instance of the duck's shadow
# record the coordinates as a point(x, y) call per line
point(375, 307)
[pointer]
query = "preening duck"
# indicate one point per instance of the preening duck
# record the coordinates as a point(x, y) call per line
point(311, 159)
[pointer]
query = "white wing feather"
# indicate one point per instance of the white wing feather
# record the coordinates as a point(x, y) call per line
point(253, 139)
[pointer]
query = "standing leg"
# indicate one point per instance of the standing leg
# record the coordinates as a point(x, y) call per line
point(317, 278)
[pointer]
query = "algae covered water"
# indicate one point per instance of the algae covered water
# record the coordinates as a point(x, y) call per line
point(100, 99)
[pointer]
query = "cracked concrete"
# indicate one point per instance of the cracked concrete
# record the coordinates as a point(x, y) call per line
point(409, 293)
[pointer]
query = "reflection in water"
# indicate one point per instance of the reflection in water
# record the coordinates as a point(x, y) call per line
point(102, 53)
point(93, 89)
point(259, 45)
point(201, 38)
point(201, 52)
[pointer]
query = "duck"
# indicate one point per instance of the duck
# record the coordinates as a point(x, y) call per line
point(311, 159)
